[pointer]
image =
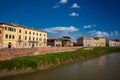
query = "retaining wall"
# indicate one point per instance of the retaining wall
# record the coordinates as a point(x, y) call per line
point(6, 54)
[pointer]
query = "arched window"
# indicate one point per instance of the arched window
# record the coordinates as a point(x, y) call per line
point(20, 31)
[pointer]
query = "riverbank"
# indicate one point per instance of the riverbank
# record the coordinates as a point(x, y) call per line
point(42, 62)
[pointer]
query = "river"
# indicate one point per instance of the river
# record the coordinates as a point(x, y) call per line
point(106, 67)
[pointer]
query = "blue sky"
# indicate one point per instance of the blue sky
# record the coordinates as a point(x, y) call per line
point(74, 18)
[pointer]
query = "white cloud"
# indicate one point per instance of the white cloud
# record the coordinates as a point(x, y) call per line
point(59, 32)
point(73, 14)
point(95, 33)
point(89, 26)
point(115, 35)
point(59, 3)
point(57, 6)
point(63, 1)
point(75, 5)
point(61, 29)
point(111, 35)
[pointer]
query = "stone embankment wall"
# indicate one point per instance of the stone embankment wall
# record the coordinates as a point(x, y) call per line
point(6, 54)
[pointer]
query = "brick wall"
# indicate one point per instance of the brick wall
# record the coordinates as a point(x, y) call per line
point(6, 54)
point(12, 53)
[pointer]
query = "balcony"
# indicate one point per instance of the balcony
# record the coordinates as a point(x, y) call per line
point(33, 41)
point(19, 40)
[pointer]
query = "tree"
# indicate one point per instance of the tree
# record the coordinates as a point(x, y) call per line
point(66, 40)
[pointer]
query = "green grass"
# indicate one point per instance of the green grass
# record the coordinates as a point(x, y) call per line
point(34, 62)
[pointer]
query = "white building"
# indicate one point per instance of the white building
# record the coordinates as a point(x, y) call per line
point(117, 43)
point(111, 43)
point(85, 41)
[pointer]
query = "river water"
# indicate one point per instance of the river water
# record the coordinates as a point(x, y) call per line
point(101, 68)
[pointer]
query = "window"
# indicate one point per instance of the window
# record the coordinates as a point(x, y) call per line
point(40, 34)
point(29, 38)
point(44, 40)
point(20, 31)
point(25, 37)
point(13, 36)
point(14, 30)
point(29, 32)
point(33, 38)
point(40, 39)
point(44, 35)
point(33, 33)
point(6, 36)
point(40, 44)
point(25, 32)
point(9, 28)
point(36, 39)
point(37, 34)
point(5, 28)
point(9, 36)
point(19, 37)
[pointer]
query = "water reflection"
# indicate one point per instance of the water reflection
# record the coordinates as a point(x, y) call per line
point(102, 68)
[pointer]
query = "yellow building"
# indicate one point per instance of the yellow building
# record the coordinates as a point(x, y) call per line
point(99, 42)
point(16, 36)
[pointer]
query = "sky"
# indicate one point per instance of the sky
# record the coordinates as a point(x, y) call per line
point(75, 18)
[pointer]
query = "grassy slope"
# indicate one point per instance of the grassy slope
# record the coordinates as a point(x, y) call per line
point(43, 61)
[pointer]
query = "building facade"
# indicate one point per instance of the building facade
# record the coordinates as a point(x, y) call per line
point(66, 43)
point(111, 43)
point(1, 35)
point(85, 41)
point(117, 43)
point(16, 36)
point(96, 42)
point(99, 42)
point(52, 42)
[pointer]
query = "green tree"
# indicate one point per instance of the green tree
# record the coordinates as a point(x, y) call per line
point(65, 39)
